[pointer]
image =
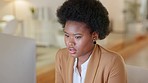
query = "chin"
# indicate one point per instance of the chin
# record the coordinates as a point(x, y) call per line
point(74, 55)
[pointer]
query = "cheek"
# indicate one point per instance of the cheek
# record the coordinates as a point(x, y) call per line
point(87, 40)
point(83, 47)
point(84, 44)
point(65, 41)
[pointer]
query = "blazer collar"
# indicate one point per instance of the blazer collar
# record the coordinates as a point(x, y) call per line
point(70, 63)
point(91, 69)
point(93, 65)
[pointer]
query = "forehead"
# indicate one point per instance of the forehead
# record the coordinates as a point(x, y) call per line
point(77, 27)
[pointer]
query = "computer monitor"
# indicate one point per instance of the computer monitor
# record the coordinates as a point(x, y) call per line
point(17, 59)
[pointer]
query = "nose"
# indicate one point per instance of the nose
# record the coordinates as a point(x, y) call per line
point(71, 42)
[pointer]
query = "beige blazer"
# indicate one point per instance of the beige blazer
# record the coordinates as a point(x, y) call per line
point(104, 67)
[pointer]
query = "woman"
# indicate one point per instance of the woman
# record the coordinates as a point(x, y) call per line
point(84, 61)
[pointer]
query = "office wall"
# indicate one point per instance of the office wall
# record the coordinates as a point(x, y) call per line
point(22, 12)
point(115, 8)
point(5, 9)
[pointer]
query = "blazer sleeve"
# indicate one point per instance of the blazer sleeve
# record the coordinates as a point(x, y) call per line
point(117, 71)
point(58, 70)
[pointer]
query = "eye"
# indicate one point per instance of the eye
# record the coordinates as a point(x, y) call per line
point(66, 35)
point(78, 37)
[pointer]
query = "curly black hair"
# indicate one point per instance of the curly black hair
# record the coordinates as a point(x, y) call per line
point(91, 12)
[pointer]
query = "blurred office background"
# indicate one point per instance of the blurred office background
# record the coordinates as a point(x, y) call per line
point(37, 19)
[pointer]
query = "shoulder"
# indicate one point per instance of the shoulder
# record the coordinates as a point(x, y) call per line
point(110, 58)
point(62, 51)
point(62, 54)
point(110, 55)
point(112, 65)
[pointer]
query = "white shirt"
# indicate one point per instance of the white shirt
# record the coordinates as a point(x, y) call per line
point(76, 76)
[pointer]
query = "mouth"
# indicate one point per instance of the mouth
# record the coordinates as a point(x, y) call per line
point(72, 50)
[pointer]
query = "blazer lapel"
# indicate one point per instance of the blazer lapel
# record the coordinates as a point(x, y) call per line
point(70, 63)
point(93, 65)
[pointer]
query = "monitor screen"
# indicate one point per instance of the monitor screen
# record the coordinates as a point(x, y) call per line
point(17, 59)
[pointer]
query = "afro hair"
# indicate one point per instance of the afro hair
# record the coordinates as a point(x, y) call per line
point(91, 12)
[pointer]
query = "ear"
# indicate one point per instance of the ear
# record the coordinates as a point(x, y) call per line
point(95, 35)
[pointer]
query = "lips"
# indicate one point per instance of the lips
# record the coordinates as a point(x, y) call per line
point(72, 50)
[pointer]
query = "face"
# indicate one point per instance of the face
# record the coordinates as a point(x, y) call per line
point(78, 39)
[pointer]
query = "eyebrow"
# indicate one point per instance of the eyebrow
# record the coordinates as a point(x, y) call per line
point(65, 31)
point(73, 34)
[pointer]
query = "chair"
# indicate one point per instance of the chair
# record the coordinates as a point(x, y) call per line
point(136, 74)
point(17, 59)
